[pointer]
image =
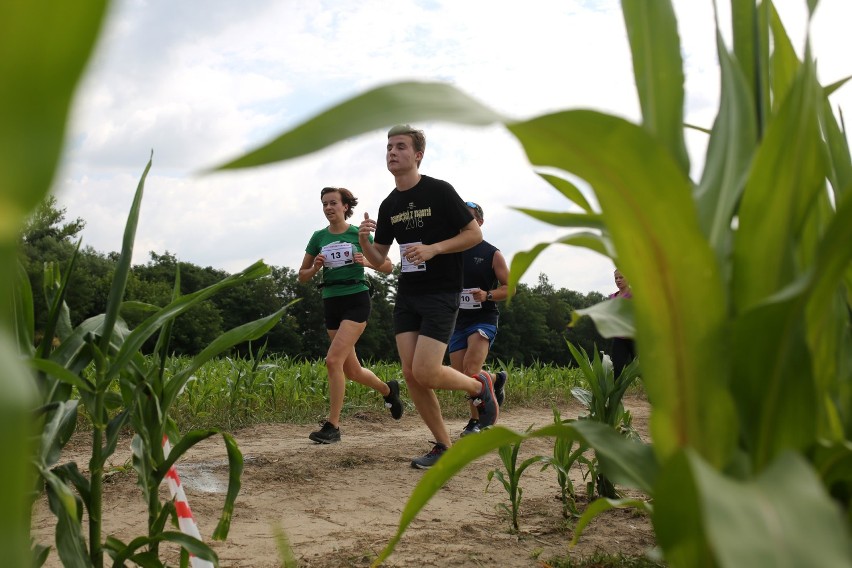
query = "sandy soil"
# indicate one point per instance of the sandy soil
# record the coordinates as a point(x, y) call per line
point(340, 504)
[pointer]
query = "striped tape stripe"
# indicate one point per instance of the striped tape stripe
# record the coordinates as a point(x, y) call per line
point(185, 520)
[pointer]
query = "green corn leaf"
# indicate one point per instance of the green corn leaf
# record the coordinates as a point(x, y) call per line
point(642, 192)
point(658, 68)
point(192, 544)
point(747, 46)
point(45, 52)
point(829, 89)
point(678, 522)
point(584, 396)
point(71, 352)
point(833, 463)
point(60, 373)
point(459, 455)
point(58, 317)
point(569, 190)
point(626, 462)
point(22, 306)
point(596, 242)
point(122, 267)
point(599, 506)
point(789, 171)
point(613, 318)
point(772, 381)
point(840, 162)
point(133, 343)
point(235, 470)
point(729, 151)
point(826, 312)
point(113, 431)
point(784, 63)
point(57, 430)
point(246, 332)
point(70, 544)
point(378, 108)
point(40, 553)
point(745, 523)
point(164, 338)
point(522, 260)
point(183, 445)
point(168, 510)
point(70, 473)
point(585, 220)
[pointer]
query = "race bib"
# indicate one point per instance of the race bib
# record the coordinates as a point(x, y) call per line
point(467, 301)
point(408, 266)
point(338, 254)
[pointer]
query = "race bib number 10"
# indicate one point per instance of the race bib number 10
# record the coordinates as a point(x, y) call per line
point(467, 301)
point(338, 254)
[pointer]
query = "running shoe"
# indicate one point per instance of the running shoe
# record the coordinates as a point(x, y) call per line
point(392, 400)
point(499, 386)
point(485, 402)
point(328, 434)
point(471, 428)
point(430, 459)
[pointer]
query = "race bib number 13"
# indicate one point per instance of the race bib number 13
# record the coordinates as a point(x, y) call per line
point(338, 254)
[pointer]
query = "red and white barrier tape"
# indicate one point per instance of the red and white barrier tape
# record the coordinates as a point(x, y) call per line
point(184, 513)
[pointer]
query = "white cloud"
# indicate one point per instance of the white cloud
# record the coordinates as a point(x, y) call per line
point(202, 82)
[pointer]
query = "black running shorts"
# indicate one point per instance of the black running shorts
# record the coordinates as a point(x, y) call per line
point(353, 307)
point(432, 315)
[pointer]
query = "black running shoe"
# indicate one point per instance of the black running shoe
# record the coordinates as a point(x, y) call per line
point(471, 428)
point(392, 400)
point(328, 434)
point(485, 402)
point(499, 386)
point(430, 459)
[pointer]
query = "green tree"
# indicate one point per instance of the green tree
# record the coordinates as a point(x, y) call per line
point(523, 336)
point(48, 238)
point(48, 221)
point(377, 342)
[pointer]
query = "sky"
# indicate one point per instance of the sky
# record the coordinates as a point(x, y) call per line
point(201, 83)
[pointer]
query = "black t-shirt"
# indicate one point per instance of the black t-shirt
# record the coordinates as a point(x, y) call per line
point(479, 273)
point(429, 212)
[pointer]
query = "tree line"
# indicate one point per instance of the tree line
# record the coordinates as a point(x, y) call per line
point(533, 327)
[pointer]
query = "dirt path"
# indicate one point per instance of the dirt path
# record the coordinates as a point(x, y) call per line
point(340, 504)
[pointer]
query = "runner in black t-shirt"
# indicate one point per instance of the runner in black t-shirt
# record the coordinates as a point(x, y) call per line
point(432, 226)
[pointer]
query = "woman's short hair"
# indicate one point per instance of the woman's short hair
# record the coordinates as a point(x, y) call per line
point(346, 198)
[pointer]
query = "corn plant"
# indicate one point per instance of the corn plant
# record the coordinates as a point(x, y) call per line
point(603, 400)
point(511, 481)
point(742, 282)
point(146, 395)
point(564, 456)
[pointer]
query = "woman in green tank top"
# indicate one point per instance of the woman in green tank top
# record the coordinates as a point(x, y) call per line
point(346, 300)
